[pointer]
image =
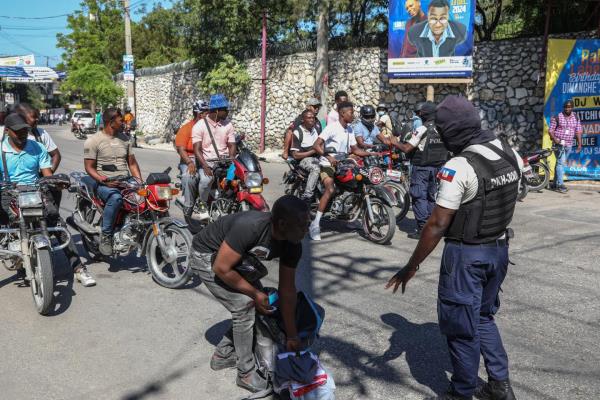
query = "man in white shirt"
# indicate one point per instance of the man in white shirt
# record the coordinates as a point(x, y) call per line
point(340, 97)
point(337, 135)
point(475, 204)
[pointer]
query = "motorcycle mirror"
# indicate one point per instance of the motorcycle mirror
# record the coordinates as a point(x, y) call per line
point(167, 171)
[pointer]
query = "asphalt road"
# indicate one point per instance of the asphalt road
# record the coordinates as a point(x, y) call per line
point(128, 338)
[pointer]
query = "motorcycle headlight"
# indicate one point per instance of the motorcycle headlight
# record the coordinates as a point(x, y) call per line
point(375, 175)
point(164, 193)
point(253, 180)
point(30, 200)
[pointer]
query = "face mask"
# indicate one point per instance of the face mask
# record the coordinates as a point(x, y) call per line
point(381, 113)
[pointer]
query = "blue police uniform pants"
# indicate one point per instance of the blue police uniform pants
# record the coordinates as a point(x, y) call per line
point(470, 279)
point(423, 188)
point(113, 201)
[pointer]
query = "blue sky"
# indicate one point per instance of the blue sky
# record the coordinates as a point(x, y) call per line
point(38, 36)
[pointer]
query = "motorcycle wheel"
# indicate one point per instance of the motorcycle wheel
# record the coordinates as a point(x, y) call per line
point(176, 274)
point(385, 217)
point(541, 174)
point(43, 273)
point(403, 199)
point(523, 190)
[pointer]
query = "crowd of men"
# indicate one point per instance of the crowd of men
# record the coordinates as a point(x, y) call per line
point(468, 200)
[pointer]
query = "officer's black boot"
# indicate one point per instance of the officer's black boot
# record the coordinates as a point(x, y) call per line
point(495, 390)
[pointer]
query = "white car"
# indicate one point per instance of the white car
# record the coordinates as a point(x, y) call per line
point(86, 118)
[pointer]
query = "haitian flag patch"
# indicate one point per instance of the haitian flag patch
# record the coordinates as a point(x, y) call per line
point(446, 174)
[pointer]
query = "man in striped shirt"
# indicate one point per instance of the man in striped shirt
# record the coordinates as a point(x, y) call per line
point(563, 129)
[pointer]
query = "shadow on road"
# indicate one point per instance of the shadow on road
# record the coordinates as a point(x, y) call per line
point(215, 333)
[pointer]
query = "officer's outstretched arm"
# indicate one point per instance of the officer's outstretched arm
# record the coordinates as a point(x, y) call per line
point(432, 233)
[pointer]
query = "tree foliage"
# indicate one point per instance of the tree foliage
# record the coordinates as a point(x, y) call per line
point(94, 82)
point(228, 77)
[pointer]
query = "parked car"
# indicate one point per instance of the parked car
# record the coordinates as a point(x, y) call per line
point(86, 118)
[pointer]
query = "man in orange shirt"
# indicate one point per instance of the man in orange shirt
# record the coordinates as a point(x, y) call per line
point(188, 165)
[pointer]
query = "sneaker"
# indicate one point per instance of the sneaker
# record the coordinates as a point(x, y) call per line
point(83, 276)
point(495, 390)
point(315, 232)
point(218, 363)
point(106, 247)
point(202, 213)
point(562, 189)
point(252, 382)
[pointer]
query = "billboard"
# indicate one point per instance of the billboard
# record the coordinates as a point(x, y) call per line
point(18, 61)
point(430, 38)
point(573, 73)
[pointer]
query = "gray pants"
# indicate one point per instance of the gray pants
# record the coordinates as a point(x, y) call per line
point(239, 337)
point(310, 165)
point(189, 186)
point(194, 186)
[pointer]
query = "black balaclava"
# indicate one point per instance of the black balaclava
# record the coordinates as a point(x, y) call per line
point(368, 124)
point(427, 112)
point(459, 125)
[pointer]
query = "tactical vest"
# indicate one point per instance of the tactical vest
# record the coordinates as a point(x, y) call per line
point(434, 153)
point(485, 218)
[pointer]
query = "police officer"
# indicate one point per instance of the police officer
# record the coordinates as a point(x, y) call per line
point(475, 204)
point(429, 154)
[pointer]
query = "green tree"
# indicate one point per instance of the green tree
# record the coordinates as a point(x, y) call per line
point(93, 82)
point(228, 77)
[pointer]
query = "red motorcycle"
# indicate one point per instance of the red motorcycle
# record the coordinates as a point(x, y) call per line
point(237, 186)
point(143, 224)
point(535, 169)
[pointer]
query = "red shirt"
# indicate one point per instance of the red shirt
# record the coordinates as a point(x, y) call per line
point(408, 49)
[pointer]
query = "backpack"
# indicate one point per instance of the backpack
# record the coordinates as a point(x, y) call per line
point(309, 319)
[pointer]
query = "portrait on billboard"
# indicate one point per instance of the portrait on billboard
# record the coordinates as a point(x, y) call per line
point(431, 38)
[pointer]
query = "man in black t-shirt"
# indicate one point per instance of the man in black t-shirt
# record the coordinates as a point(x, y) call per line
point(218, 252)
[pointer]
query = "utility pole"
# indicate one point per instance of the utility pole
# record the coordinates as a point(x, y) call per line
point(129, 52)
point(263, 84)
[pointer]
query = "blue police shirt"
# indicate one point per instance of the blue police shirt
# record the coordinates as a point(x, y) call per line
point(368, 137)
point(24, 167)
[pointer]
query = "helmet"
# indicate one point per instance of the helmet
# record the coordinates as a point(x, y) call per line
point(127, 109)
point(200, 106)
point(367, 111)
point(419, 106)
point(218, 101)
point(381, 107)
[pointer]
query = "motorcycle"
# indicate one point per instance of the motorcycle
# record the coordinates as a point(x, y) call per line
point(360, 193)
point(143, 224)
point(78, 129)
point(25, 243)
point(237, 186)
point(397, 176)
point(535, 169)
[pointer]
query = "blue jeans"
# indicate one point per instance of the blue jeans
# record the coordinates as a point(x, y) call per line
point(562, 154)
point(470, 279)
point(112, 199)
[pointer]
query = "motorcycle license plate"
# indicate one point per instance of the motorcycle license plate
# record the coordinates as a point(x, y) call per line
point(528, 171)
point(394, 175)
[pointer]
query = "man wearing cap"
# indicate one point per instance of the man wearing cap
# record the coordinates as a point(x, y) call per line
point(187, 160)
point(475, 204)
point(563, 129)
point(213, 137)
point(313, 105)
point(428, 155)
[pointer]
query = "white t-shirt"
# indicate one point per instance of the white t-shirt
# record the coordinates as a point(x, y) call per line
point(308, 138)
point(333, 116)
point(336, 136)
point(458, 180)
point(417, 139)
point(45, 138)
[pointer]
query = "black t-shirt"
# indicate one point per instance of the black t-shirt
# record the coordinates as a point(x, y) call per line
point(298, 121)
point(247, 233)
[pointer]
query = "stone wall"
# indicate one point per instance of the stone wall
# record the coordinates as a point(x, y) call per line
point(508, 89)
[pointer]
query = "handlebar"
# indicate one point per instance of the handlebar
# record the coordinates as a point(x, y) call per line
point(117, 178)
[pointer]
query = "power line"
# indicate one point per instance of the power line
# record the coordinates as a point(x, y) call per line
point(48, 17)
point(31, 28)
point(12, 40)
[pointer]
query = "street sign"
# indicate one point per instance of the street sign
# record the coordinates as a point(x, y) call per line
point(128, 68)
